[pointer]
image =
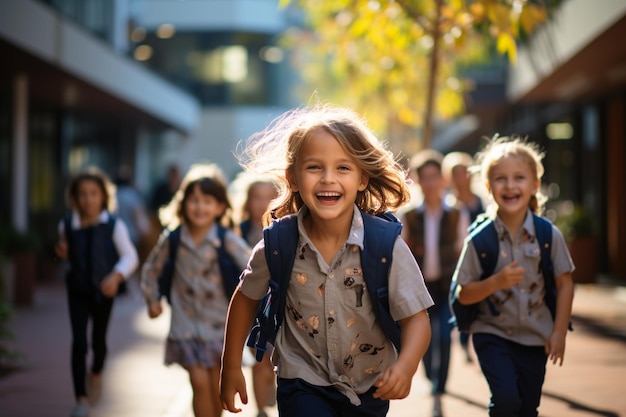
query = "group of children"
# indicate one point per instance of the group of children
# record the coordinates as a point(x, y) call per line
point(332, 355)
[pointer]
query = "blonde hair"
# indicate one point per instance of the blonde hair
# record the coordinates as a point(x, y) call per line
point(95, 174)
point(239, 191)
point(454, 159)
point(210, 179)
point(498, 148)
point(275, 151)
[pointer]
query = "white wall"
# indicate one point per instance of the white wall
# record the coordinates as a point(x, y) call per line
point(216, 137)
point(250, 15)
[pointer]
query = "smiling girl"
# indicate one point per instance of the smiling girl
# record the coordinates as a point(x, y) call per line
point(514, 344)
point(332, 355)
point(198, 297)
point(101, 255)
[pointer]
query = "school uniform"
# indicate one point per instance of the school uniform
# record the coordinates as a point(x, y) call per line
point(510, 344)
point(93, 253)
point(199, 304)
point(330, 349)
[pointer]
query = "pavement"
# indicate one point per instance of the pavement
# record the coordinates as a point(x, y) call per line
point(137, 383)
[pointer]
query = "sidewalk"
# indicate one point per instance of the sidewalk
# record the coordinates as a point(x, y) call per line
point(137, 384)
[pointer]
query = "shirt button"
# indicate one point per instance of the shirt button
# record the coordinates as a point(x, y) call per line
point(331, 275)
point(331, 312)
point(333, 345)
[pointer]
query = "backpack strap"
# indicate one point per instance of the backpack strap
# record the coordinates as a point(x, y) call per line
point(67, 226)
point(281, 240)
point(485, 239)
point(543, 232)
point(486, 243)
point(228, 268)
point(381, 233)
point(167, 274)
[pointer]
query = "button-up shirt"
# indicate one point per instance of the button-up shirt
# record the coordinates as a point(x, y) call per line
point(198, 300)
point(330, 335)
point(524, 317)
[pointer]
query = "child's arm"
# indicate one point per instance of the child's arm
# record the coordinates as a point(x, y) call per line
point(150, 273)
point(60, 249)
point(555, 348)
point(395, 381)
point(476, 291)
point(127, 263)
point(241, 313)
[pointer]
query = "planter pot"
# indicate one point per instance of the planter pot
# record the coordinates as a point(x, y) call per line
point(584, 252)
point(6, 281)
point(24, 271)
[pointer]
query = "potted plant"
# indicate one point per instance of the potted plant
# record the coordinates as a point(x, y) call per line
point(7, 354)
point(578, 229)
point(21, 250)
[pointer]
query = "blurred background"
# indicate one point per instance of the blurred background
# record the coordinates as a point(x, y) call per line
point(142, 87)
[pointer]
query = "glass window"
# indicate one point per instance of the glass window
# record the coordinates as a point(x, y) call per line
point(219, 68)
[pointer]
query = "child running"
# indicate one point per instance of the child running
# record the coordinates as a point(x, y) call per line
point(198, 298)
point(332, 355)
point(516, 332)
point(101, 256)
point(259, 193)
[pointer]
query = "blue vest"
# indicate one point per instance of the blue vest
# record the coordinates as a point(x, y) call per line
point(281, 242)
point(91, 253)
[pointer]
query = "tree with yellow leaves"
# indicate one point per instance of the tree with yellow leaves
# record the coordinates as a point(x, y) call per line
point(396, 61)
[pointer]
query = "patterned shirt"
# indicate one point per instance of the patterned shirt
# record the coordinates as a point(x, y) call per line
point(524, 317)
point(198, 301)
point(330, 335)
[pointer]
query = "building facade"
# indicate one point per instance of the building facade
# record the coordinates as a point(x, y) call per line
point(144, 84)
point(567, 92)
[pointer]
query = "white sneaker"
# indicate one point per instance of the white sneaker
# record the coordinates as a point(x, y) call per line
point(80, 410)
point(437, 409)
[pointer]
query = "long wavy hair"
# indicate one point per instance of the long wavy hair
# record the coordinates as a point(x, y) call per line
point(275, 151)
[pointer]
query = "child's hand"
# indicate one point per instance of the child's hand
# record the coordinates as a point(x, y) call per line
point(509, 276)
point(232, 382)
point(154, 309)
point(555, 348)
point(393, 384)
point(110, 284)
point(60, 250)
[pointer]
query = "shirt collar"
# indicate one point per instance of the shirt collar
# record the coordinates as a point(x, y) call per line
point(210, 237)
point(528, 225)
point(103, 217)
point(355, 237)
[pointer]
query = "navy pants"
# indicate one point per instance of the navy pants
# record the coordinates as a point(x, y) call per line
point(437, 357)
point(83, 307)
point(296, 397)
point(514, 372)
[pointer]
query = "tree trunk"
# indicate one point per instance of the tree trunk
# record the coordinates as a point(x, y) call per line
point(432, 77)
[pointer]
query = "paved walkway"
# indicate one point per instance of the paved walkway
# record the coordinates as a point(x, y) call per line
point(590, 384)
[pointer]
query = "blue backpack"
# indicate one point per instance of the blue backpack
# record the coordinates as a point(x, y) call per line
point(228, 268)
point(281, 241)
point(485, 239)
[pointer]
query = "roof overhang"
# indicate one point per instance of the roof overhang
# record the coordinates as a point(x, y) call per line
point(68, 67)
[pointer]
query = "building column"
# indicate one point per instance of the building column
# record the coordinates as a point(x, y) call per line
point(19, 168)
